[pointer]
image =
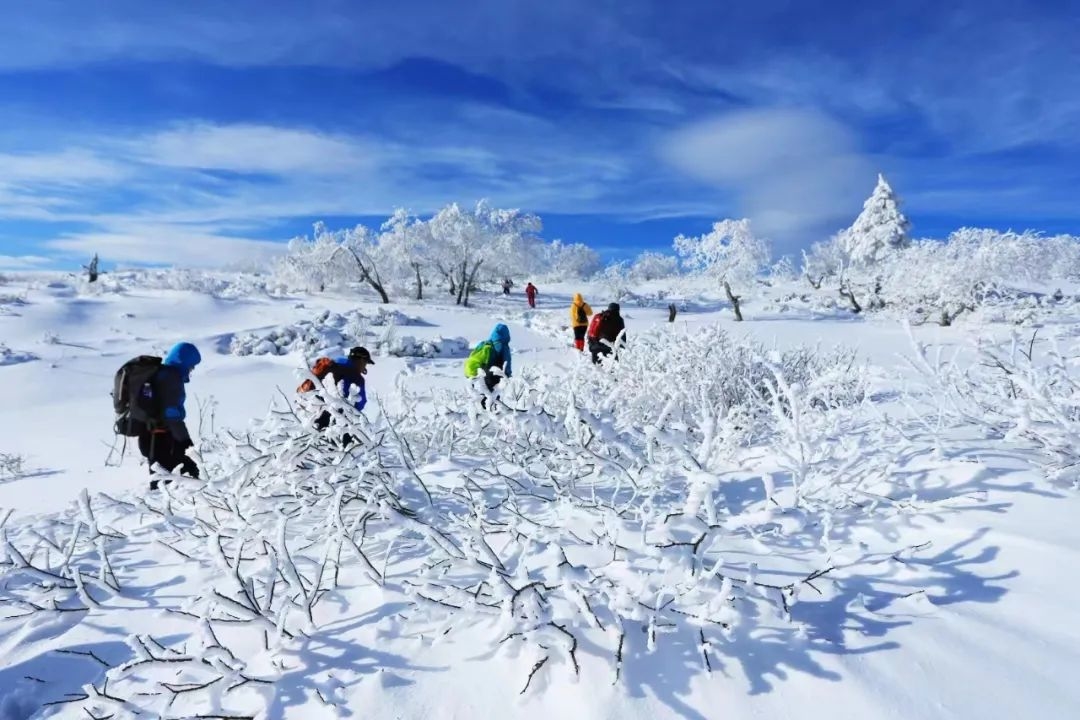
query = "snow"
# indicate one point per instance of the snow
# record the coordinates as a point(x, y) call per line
point(809, 512)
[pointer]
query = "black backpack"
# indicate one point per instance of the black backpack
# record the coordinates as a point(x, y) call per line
point(133, 395)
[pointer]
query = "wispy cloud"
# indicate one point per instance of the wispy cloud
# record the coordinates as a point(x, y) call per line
point(63, 167)
point(24, 262)
point(205, 193)
point(248, 148)
point(154, 243)
point(795, 173)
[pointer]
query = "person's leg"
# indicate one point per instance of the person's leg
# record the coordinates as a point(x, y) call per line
point(579, 338)
point(186, 464)
point(146, 449)
point(491, 381)
point(598, 349)
point(160, 447)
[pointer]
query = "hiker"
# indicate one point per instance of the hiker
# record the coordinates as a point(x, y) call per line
point(579, 320)
point(605, 331)
point(148, 396)
point(346, 372)
point(530, 294)
point(506, 286)
point(491, 353)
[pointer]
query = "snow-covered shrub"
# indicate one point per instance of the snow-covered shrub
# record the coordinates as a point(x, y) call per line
point(436, 347)
point(9, 303)
point(1001, 276)
point(11, 465)
point(1024, 390)
point(331, 331)
point(13, 300)
point(14, 357)
point(599, 511)
point(219, 284)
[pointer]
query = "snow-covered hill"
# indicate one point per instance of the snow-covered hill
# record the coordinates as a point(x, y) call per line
point(809, 513)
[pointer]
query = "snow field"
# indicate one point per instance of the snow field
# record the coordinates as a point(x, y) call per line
point(713, 522)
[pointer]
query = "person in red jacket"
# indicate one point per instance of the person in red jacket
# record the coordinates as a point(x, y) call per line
point(530, 293)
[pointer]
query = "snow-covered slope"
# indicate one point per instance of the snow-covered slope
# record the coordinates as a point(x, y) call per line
point(869, 539)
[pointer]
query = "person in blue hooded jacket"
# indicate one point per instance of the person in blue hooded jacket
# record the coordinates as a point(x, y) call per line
point(491, 353)
point(165, 441)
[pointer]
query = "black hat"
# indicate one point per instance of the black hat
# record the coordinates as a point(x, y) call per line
point(361, 353)
point(613, 307)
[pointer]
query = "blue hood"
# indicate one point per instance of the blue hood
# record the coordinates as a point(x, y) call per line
point(500, 340)
point(184, 356)
point(500, 335)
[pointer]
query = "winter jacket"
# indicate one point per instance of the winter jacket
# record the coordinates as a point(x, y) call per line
point(168, 388)
point(530, 290)
point(498, 356)
point(579, 311)
point(346, 375)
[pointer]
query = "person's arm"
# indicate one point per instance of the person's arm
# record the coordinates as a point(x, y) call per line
point(170, 392)
point(361, 401)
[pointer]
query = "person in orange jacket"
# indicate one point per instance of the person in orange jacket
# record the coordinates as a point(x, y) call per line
point(579, 320)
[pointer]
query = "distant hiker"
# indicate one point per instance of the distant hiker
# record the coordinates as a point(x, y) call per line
point(148, 397)
point(507, 284)
point(530, 293)
point(489, 354)
point(605, 331)
point(346, 373)
point(579, 319)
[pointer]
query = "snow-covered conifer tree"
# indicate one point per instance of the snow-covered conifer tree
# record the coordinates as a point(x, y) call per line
point(880, 228)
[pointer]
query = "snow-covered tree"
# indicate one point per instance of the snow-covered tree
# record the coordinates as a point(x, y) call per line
point(825, 259)
point(730, 253)
point(466, 240)
point(572, 261)
point(616, 279)
point(308, 262)
point(879, 229)
point(651, 265)
point(406, 243)
point(336, 257)
point(361, 246)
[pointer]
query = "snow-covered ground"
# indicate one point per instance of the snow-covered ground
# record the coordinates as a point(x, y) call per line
point(887, 555)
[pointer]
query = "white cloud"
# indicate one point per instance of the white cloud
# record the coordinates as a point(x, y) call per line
point(255, 149)
point(65, 167)
point(162, 244)
point(23, 262)
point(795, 173)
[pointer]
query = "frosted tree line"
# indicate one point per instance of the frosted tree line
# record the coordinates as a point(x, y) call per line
point(875, 264)
point(457, 249)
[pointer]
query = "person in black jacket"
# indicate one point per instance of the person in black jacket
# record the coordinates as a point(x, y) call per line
point(610, 332)
point(165, 441)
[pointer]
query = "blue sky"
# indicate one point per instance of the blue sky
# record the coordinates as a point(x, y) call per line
point(203, 133)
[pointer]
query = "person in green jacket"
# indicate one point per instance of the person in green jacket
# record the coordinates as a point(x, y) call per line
point(491, 353)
